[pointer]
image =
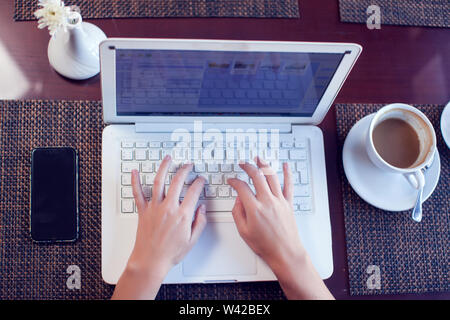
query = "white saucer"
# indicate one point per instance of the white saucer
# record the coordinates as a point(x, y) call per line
point(386, 191)
point(445, 124)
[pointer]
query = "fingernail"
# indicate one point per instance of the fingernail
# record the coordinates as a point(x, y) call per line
point(202, 209)
point(167, 157)
point(263, 162)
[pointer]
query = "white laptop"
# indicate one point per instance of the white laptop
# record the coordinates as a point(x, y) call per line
point(187, 98)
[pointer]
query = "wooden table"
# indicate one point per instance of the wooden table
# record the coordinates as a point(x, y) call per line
point(398, 64)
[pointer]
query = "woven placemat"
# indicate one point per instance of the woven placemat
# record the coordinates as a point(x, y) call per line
point(171, 8)
point(426, 13)
point(32, 271)
point(411, 257)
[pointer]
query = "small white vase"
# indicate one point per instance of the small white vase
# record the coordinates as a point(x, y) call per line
point(74, 53)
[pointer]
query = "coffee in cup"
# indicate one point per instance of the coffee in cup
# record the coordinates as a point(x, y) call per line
point(396, 142)
point(401, 139)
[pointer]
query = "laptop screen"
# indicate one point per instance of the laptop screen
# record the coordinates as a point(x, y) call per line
point(186, 82)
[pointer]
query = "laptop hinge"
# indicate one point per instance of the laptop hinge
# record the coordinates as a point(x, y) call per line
point(201, 126)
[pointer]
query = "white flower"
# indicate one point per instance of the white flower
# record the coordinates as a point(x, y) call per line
point(53, 15)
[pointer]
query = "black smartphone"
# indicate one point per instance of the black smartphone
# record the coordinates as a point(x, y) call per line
point(54, 195)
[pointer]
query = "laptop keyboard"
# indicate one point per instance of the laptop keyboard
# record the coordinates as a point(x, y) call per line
point(146, 156)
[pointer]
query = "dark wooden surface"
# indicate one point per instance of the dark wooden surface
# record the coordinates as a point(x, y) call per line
point(398, 64)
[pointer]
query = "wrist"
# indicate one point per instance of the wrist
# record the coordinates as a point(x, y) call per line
point(148, 267)
point(299, 279)
point(139, 280)
point(287, 264)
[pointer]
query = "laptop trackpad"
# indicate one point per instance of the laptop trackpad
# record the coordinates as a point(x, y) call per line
point(220, 251)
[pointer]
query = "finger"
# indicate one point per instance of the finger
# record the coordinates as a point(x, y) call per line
point(193, 194)
point(198, 225)
point(239, 216)
point(259, 181)
point(138, 194)
point(245, 194)
point(288, 188)
point(160, 178)
point(271, 177)
point(177, 183)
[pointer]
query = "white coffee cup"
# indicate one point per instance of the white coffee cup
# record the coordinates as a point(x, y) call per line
point(427, 140)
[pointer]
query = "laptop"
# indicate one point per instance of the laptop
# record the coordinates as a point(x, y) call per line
point(216, 103)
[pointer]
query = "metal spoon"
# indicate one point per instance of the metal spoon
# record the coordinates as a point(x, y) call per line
point(417, 211)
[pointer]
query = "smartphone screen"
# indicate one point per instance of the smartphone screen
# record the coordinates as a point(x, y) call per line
point(54, 195)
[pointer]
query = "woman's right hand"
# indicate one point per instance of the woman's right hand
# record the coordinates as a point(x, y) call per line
point(265, 220)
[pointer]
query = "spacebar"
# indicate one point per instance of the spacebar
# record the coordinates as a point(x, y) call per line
point(219, 205)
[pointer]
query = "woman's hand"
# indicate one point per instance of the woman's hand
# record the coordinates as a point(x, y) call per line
point(265, 220)
point(165, 231)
